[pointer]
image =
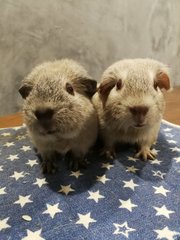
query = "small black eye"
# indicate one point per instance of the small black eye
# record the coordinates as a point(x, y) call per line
point(155, 85)
point(69, 88)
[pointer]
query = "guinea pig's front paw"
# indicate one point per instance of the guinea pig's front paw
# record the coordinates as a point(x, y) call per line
point(145, 154)
point(109, 153)
point(49, 167)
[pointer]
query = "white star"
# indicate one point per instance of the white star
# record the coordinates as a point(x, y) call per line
point(17, 175)
point(132, 159)
point(20, 137)
point(158, 174)
point(171, 141)
point(127, 204)
point(161, 190)
point(52, 210)
point(6, 134)
point(32, 162)
point(155, 151)
point(8, 144)
point(17, 128)
point(130, 184)
point(76, 174)
point(102, 179)
point(163, 211)
point(95, 196)
point(25, 148)
point(132, 169)
point(23, 200)
point(66, 189)
point(169, 135)
point(177, 159)
point(1, 168)
point(33, 235)
point(40, 182)
point(167, 129)
point(107, 165)
point(13, 157)
point(123, 229)
point(3, 224)
point(2, 192)
point(175, 149)
point(165, 233)
point(155, 161)
point(85, 220)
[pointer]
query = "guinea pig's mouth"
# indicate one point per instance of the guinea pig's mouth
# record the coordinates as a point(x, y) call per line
point(139, 125)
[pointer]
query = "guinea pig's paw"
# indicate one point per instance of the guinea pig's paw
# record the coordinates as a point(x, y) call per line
point(49, 167)
point(145, 154)
point(75, 164)
point(109, 153)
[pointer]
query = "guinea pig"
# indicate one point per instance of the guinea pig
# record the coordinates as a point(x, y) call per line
point(130, 104)
point(58, 111)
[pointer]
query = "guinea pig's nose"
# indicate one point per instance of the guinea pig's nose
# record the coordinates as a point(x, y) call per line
point(139, 110)
point(44, 113)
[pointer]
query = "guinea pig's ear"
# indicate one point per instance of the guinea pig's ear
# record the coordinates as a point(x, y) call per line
point(162, 80)
point(25, 89)
point(85, 86)
point(106, 86)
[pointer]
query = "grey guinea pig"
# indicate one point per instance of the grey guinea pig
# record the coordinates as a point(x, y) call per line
point(58, 111)
point(130, 104)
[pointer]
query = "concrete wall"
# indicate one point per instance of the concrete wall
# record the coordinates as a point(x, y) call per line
point(96, 33)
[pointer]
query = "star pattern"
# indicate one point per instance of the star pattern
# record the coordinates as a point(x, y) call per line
point(66, 189)
point(17, 175)
point(76, 174)
point(123, 229)
point(5, 134)
point(161, 190)
point(52, 210)
point(95, 196)
point(3, 224)
point(2, 191)
point(107, 165)
point(23, 200)
point(105, 199)
point(32, 162)
point(40, 182)
point(165, 233)
point(132, 169)
point(130, 184)
point(85, 219)
point(13, 157)
point(127, 204)
point(102, 179)
point(25, 148)
point(158, 174)
point(177, 159)
point(163, 211)
point(33, 235)
point(175, 149)
point(9, 144)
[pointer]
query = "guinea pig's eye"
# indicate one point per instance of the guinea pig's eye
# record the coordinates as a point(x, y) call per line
point(69, 88)
point(155, 85)
point(119, 84)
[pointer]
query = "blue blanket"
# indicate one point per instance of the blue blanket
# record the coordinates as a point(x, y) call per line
point(121, 199)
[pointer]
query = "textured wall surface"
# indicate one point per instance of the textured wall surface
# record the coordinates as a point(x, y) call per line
point(96, 33)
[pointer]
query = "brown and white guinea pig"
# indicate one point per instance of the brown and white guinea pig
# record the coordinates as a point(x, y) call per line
point(58, 111)
point(130, 104)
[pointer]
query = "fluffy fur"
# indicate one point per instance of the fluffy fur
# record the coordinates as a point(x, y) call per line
point(130, 104)
point(73, 125)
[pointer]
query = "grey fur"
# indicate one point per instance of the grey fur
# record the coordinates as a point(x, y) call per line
point(73, 126)
point(124, 85)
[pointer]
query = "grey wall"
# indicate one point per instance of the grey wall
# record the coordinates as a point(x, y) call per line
point(96, 33)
